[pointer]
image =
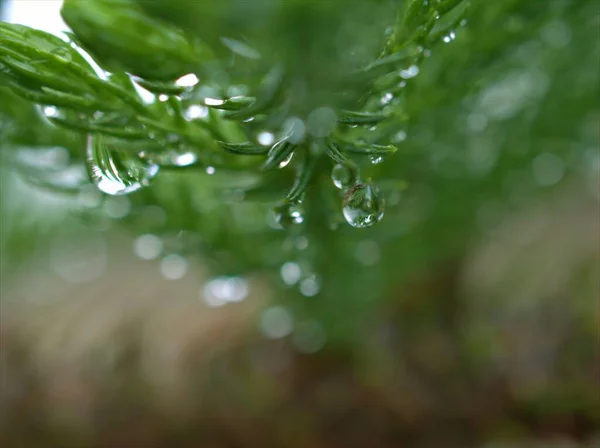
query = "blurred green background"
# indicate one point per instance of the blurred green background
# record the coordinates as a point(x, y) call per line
point(468, 317)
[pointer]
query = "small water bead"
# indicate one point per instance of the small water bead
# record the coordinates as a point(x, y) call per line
point(289, 214)
point(362, 206)
point(410, 72)
point(285, 162)
point(210, 170)
point(449, 37)
point(266, 138)
point(115, 171)
point(376, 160)
point(343, 176)
point(189, 80)
point(386, 98)
point(50, 111)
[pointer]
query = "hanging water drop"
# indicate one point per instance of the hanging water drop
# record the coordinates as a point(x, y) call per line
point(343, 176)
point(115, 171)
point(286, 161)
point(288, 214)
point(362, 206)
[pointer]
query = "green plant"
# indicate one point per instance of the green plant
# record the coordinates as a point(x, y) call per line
point(450, 112)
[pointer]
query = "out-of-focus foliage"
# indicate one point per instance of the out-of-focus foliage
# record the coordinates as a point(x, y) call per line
point(497, 162)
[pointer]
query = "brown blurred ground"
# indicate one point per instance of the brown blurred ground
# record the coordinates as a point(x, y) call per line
point(499, 349)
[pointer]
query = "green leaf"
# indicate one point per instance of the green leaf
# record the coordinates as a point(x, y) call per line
point(122, 36)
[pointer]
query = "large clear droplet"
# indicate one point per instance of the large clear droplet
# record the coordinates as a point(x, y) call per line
point(288, 214)
point(362, 206)
point(115, 171)
point(343, 176)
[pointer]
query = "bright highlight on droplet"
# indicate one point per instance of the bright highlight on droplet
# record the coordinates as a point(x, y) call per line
point(210, 170)
point(410, 72)
point(213, 102)
point(173, 267)
point(387, 98)
point(187, 81)
point(147, 247)
point(194, 112)
point(266, 138)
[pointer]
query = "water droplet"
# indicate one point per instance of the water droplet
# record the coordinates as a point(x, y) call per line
point(187, 81)
point(285, 162)
point(276, 322)
point(50, 111)
point(410, 72)
point(213, 101)
point(173, 267)
point(195, 112)
point(115, 171)
point(449, 37)
point(376, 160)
point(288, 214)
point(147, 247)
point(343, 176)
point(387, 98)
point(290, 273)
point(266, 138)
point(210, 170)
point(362, 206)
